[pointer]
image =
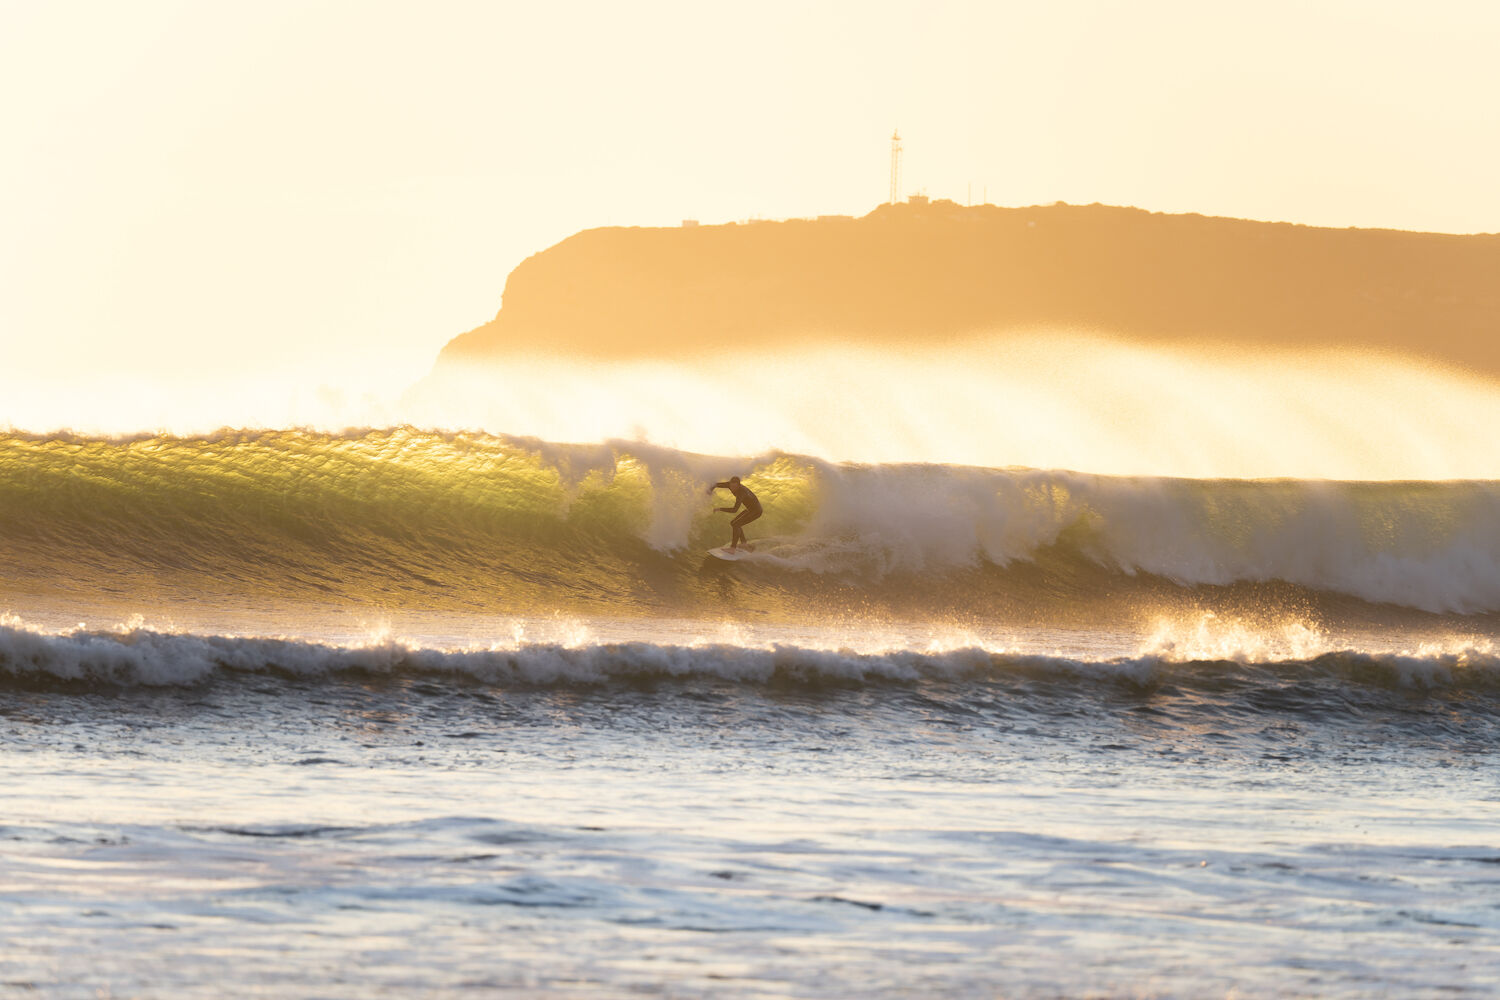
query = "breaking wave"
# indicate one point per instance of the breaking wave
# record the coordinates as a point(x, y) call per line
point(409, 518)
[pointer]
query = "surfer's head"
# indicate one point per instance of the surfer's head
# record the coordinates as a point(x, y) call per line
point(735, 480)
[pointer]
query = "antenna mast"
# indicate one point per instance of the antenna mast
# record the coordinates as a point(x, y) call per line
point(895, 166)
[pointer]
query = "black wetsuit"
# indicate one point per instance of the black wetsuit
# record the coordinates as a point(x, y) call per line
point(742, 495)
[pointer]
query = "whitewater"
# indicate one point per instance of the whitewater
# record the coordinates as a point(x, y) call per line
point(398, 711)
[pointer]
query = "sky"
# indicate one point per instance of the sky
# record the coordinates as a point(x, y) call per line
point(296, 188)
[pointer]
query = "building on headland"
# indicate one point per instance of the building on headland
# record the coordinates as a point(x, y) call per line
point(895, 167)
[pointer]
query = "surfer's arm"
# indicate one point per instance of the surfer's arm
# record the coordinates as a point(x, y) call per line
point(737, 501)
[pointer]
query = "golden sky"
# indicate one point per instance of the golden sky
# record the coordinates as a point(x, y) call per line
point(289, 184)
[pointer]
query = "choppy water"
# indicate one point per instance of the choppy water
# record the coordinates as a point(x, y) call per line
point(397, 714)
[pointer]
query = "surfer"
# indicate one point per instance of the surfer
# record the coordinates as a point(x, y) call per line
point(742, 496)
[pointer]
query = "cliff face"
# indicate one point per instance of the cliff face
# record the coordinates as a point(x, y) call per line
point(916, 274)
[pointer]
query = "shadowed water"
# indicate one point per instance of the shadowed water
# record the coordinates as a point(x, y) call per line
point(963, 823)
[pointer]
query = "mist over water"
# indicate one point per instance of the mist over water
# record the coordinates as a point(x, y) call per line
point(1042, 401)
point(1063, 400)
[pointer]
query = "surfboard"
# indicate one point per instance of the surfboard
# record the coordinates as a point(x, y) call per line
point(724, 553)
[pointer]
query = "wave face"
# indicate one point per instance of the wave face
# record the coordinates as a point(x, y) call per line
point(406, 518)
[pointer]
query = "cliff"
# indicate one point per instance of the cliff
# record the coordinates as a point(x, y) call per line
point(914, 274)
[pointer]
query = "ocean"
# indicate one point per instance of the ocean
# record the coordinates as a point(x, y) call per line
point(404, 713)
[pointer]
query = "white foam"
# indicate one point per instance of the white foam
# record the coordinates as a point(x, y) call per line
point(145, 657)
point(1430, 546)
point(1435, 547)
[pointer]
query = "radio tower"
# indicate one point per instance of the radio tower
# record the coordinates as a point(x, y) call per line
point(895, 166)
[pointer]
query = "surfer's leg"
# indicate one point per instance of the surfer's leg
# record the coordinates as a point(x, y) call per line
point(738, 524)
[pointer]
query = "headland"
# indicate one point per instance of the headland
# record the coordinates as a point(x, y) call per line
point(921, 273)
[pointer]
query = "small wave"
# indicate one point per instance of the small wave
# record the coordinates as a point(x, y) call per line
point(147, 658)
